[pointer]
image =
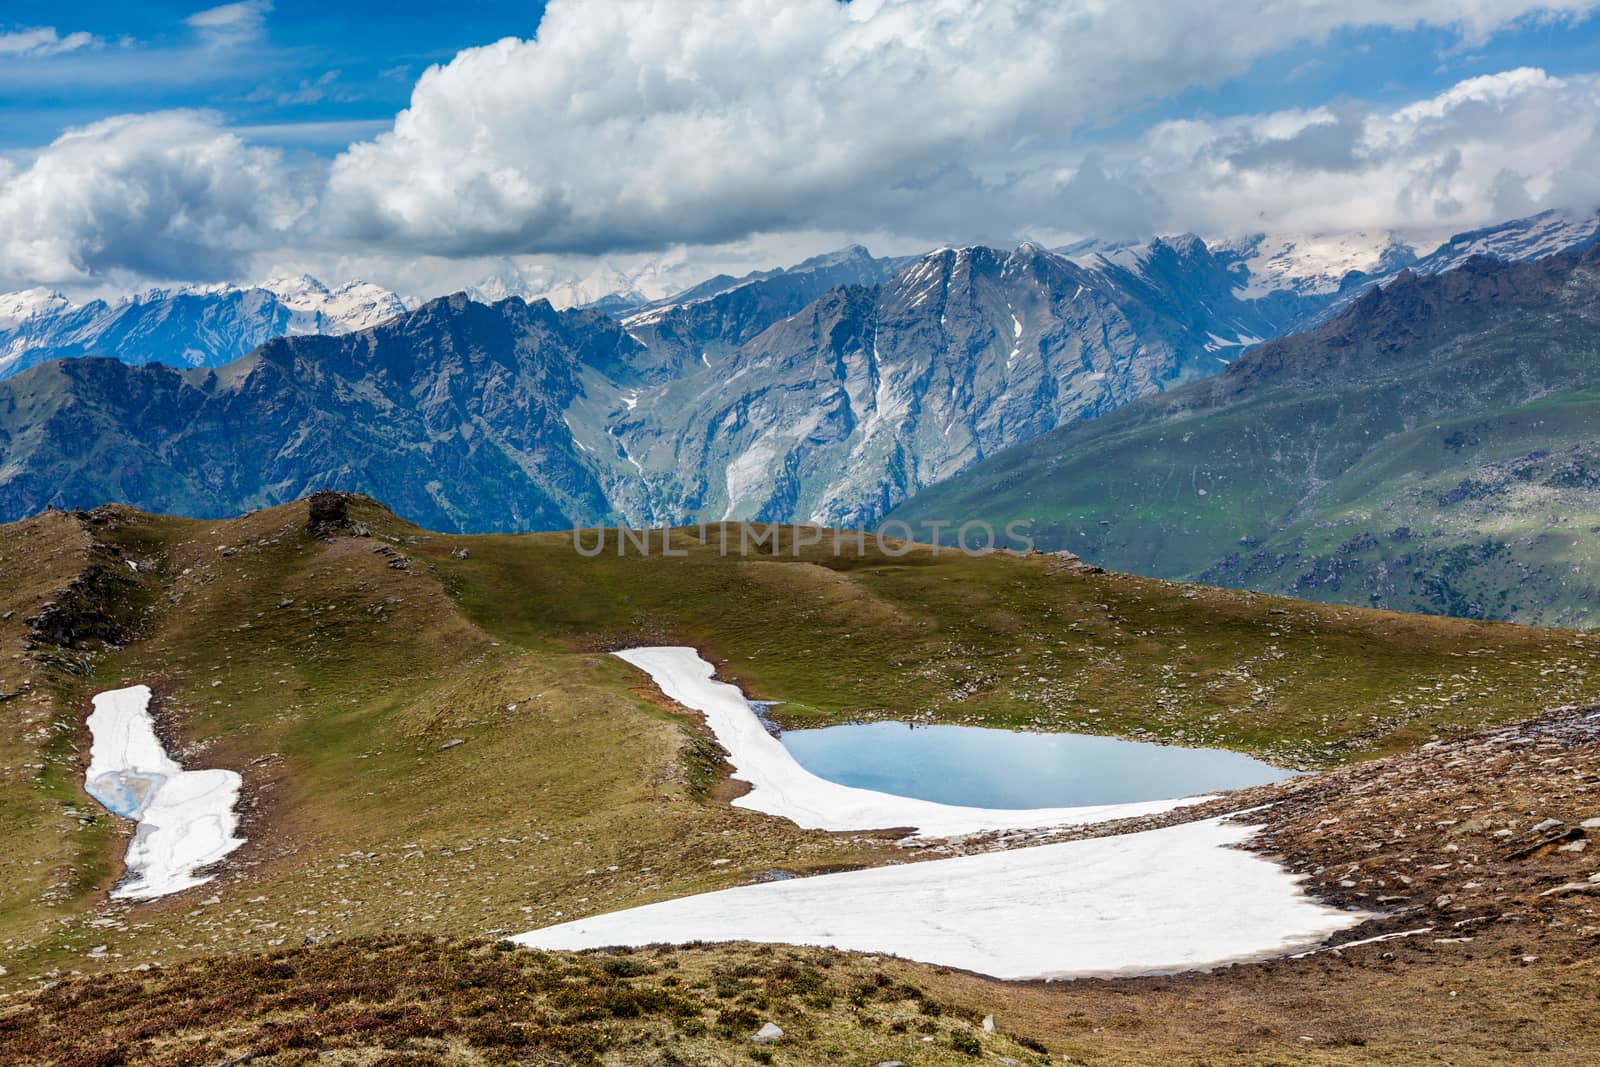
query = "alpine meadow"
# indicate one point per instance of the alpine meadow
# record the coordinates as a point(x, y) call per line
point(881, 533)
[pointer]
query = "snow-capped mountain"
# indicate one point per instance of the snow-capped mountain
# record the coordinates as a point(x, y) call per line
point(838, 411)
point(342, 309)
point(201, 326)
point(1534, 237)
point(19, 307)
point(1313, 264)
point(829, 391)
point(1337, 265)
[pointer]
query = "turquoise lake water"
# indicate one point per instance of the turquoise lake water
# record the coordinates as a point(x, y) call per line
point(979, 767)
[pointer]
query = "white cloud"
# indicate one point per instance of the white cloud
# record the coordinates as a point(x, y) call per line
point(169, 195)
point(635, 123)
point(630, 127)
point(230, 24)
point(1483, 150)
point(42, 41)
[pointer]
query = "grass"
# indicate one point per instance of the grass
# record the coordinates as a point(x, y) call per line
point(1275, 479)
point(1026, 642)
point(335, 675)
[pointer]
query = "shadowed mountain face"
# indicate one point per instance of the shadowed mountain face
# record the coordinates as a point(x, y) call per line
point(1433, 447)
point(454, 411)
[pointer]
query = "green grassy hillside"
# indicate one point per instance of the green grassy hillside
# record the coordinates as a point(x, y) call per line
point(433, 740)
point(334, 672)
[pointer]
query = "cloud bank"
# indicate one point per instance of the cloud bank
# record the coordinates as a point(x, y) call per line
point(637, 125)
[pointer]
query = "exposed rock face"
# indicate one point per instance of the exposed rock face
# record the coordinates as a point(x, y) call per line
point(828, 392)
point(842, 410)
point(780, 396)
point(706, 324)
point(327, 513)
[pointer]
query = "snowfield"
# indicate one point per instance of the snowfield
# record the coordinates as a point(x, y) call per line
point(1174, 899)
point(186, 818)
point(780, 786)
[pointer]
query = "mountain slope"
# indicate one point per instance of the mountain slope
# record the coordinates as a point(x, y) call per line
point(843, 409)
point(830, 391)
point(703, 325)
point(516, 416)
point(1430, 448)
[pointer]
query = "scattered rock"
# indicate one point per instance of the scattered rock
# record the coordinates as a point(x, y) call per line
point(988, 1024)
point(452, 743)
point(768, 1033)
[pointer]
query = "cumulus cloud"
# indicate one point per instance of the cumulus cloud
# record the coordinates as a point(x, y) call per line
point(634, 123)
point(169, 195)
point(42, 41)
point(1486, 149)
point(633, 126)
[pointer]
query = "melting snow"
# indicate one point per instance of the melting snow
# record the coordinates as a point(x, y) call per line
point(1173, 899)
point(186, 818)
point(1163, 900)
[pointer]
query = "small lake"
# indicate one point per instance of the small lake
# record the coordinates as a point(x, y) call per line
point(978, 767)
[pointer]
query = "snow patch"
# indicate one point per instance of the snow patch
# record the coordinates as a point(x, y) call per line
point(1179, 898)
point(186, 819)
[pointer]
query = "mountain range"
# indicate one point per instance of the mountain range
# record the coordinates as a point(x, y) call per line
point(831, 391)
point(1432, 447)
point(835, 389)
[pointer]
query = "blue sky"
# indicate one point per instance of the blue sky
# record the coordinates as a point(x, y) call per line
point(676, 138)
point(310, 64)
